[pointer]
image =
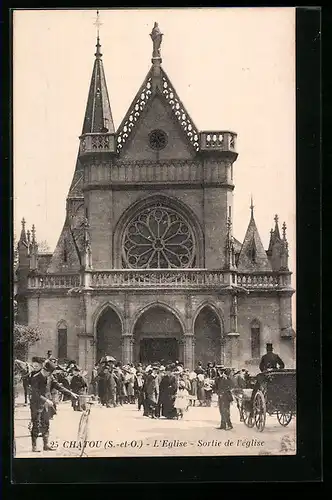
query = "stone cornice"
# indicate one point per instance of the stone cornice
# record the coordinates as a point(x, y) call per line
point(125, 186)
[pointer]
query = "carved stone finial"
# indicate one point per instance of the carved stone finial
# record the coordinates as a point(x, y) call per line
point(229, 224)
point(252, 206)
point(284, 227)
point(23, 222)
point(276, 218)
point(33, 233)
point(156, 36)
point(28, 235)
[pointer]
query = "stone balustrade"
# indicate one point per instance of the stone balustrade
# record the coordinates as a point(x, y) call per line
point(162, 279)
point(97, 143)
point(52, 281)
point(222, 140)
point(158, 278)
point(263, 280)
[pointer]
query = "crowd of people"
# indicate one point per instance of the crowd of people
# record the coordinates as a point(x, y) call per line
point(158, 389)
point(161, 390)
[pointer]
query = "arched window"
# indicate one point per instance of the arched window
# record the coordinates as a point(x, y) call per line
point(158, 237)
point(62, 340)
point(255, 339)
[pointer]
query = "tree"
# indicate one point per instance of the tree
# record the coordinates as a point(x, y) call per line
point(15, 252)
point(43, 246)
point(24, 337)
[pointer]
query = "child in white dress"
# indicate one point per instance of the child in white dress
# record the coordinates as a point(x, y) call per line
point(181, 400)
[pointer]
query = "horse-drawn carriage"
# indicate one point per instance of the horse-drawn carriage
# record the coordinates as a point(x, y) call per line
point(274, 393)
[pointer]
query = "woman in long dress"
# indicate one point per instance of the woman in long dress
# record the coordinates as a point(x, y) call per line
point(167, 391)
point(193, 388)
point(200, 389)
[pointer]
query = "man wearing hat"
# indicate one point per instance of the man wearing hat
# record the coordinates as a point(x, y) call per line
point(36, 364)
point(223, 387)
point(41, 405)
point(270, 360)
point(79, 386)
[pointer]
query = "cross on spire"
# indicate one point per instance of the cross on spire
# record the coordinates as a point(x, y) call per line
point(23, 222)
point(98, 23)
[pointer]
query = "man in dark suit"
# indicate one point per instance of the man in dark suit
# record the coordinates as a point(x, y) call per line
point(270, 360)
point(223, 387)
point(41, 404)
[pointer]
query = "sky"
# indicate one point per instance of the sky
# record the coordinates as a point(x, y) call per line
point(233, 69)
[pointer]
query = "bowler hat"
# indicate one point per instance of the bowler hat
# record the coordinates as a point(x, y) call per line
point(37, 359)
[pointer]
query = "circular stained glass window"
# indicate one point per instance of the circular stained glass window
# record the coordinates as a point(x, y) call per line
point(158, 237)
point(157, 139)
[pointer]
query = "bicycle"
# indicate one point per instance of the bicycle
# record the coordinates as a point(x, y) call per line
point(83, 426)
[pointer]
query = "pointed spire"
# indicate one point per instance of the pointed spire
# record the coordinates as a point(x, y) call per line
point(98, 115)
point(28, 236)
point(252, 255)
point(23, 237)
point(276, 228)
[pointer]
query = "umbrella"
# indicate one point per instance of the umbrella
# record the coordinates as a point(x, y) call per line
point(107, 359)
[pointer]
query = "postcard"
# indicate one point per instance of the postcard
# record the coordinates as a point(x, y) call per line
point(155, 222)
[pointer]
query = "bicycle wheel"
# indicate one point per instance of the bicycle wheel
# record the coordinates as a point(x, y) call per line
point(83, 431)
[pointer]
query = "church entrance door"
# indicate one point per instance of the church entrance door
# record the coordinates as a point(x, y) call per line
point(158, 349)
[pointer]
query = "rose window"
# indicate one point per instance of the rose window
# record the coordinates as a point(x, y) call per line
point(158, 237)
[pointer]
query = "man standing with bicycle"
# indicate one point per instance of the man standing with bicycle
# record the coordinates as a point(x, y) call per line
point(41, 404)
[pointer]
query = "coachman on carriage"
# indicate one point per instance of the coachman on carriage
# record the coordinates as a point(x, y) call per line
point(272, 392)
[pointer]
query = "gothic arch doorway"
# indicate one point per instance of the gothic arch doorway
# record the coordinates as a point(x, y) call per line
point(158, 336)
point(108, 334)
point(208, 336)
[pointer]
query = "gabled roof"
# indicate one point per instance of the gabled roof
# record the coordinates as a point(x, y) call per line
point(98, 114)
point(144, 95)
point(252, 255)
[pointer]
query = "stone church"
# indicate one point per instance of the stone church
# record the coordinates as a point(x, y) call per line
point(146, 267)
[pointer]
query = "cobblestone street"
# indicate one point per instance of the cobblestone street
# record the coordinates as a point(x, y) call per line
point(123, 432)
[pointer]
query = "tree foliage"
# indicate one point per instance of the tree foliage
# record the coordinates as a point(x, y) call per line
point(24, 337)
point(43, 246)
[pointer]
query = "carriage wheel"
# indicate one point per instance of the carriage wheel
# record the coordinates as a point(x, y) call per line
point(246, 417)
point(259, 411)
point(284, 417)
point(83, 432)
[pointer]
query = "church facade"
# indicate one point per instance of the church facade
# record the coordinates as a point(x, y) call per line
point(146, 267)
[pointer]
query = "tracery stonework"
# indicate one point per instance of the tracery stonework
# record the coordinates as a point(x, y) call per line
point(158, 237)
